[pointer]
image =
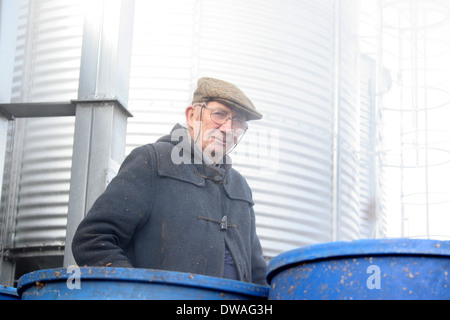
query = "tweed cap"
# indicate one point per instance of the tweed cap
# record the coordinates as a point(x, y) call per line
point(209, 89)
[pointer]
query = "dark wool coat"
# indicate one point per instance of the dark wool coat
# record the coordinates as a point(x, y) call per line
point(160, 215)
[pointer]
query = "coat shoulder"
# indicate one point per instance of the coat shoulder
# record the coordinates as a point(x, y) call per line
point(166, 157)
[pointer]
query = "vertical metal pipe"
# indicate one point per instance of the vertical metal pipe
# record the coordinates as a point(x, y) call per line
point(3, 135)
point(106, 53)
point(101, 115)
point(336, 135)
point(401, 84)
point(426, 133)
point(9, 17)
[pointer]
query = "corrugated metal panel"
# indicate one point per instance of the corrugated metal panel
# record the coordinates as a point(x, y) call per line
point(372, 184)
point(45, 182)
point(282, 58)
point(161, 70)
point(347, 219)
point(46, 69)
point(367, 140)
point(372, 207)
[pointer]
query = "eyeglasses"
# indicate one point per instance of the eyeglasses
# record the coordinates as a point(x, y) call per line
point(220, 117)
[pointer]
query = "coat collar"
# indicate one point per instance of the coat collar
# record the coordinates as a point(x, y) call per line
point(188, 166)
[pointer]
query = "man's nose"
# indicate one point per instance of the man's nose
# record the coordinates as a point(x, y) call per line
point(228, 125)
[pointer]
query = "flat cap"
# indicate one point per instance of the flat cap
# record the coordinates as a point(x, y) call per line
point(209, 89)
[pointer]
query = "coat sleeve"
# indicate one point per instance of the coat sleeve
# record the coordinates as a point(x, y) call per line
point(108, 227)
point(259, 265)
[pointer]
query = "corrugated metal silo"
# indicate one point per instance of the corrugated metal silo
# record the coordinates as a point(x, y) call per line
point(46, 69)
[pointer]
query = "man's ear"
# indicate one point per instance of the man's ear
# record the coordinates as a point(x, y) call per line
point(190, 116)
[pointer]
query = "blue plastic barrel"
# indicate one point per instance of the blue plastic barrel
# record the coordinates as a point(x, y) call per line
point(8, 293)
point(132, 284)
point(394, 269)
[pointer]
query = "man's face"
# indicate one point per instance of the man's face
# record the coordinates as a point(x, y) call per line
point(216, 133)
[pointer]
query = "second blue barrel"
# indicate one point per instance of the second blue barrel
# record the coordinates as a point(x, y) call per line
point(386, 269)
point(132, 284)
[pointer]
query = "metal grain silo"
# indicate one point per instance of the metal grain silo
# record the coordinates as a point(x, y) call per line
point(46, 69)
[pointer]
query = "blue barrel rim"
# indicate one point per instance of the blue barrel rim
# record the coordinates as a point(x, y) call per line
point(145, 276)
point(355, 248)
point(8, 291)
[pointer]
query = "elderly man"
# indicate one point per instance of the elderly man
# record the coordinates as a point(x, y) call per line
point(177, 204)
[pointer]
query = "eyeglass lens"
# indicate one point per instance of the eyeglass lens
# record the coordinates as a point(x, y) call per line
point(220, 117)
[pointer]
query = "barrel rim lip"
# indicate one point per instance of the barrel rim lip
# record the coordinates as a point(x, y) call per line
point(8, 291)
point(357, 248)
point(141, 275)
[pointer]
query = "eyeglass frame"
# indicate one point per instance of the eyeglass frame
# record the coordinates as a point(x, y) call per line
point(233, 119)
